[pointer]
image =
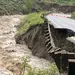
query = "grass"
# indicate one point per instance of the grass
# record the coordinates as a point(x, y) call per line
point(26, 69)
point(31, 19)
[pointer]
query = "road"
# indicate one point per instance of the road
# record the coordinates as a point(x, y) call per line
point(62, 22)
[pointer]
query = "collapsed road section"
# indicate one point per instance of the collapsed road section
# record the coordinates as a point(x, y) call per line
point(52, 40)
point(62, 32)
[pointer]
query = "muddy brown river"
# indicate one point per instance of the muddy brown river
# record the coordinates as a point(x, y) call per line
point(11, 54)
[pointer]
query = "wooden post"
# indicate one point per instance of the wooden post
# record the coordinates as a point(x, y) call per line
point(71, 66)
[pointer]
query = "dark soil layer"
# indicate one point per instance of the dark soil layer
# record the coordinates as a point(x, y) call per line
point(35, 40)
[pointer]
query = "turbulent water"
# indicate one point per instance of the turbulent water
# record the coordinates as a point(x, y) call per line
point(12, 53)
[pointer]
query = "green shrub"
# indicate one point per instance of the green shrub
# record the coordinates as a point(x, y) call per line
point(10, 6)
point(24, 65)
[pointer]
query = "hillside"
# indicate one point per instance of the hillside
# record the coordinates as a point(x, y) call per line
point(9, 7)
point(25, 41)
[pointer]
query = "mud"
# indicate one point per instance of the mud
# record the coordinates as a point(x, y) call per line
point(35, 40)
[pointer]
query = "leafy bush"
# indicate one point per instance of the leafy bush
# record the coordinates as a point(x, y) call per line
point(24, 65)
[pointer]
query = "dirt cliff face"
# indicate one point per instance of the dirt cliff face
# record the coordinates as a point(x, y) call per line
point(35, 40)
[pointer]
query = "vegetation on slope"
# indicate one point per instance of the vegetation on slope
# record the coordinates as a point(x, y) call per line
point(31, 19)
point(66, 2)
point(26, 6)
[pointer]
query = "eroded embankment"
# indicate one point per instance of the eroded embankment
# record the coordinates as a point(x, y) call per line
point(35, 40)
